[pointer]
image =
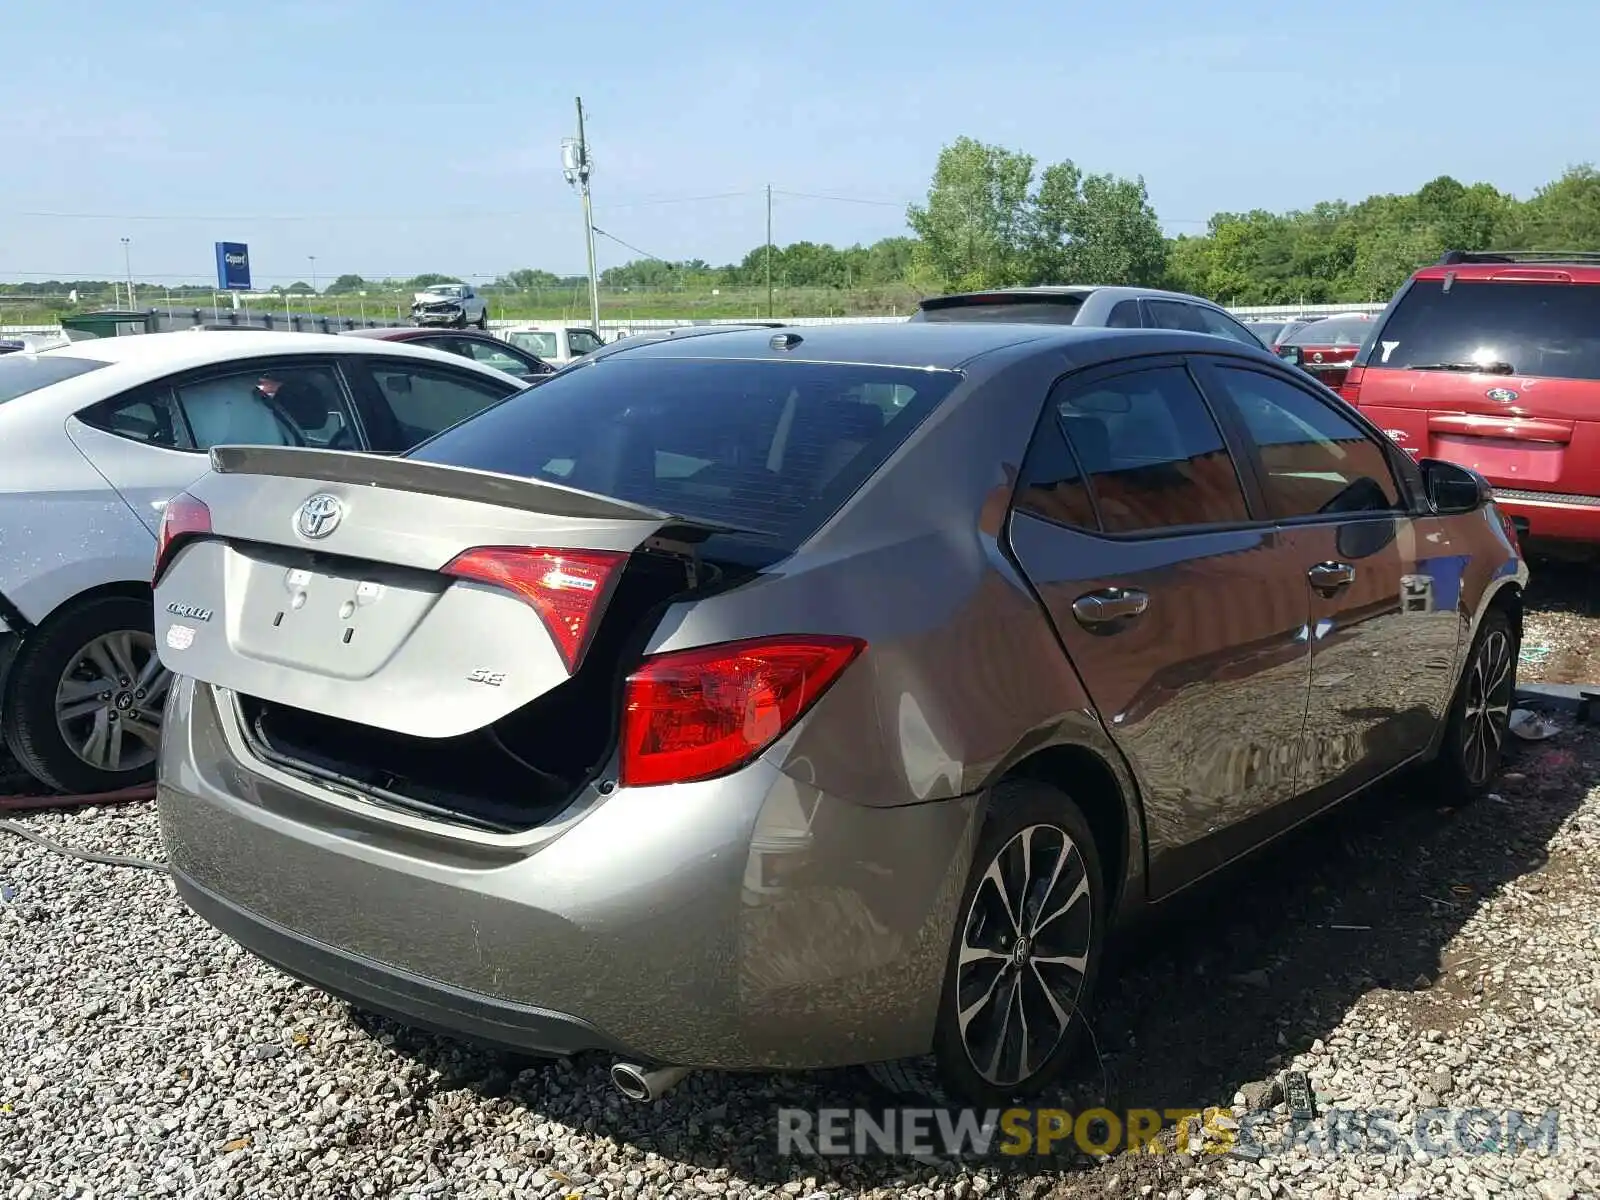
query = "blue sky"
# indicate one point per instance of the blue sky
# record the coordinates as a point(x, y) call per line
point(394, 137)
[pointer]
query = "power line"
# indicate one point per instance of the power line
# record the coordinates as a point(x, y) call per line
point(840, 199)
point(628, 245)
point(648, 202)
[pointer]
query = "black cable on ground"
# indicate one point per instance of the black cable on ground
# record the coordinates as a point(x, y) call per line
point(93, 856)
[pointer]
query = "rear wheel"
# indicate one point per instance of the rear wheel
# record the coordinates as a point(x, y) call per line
point(483, 321)
point(84, 702)
point(1475, 736)
point(1026, 949)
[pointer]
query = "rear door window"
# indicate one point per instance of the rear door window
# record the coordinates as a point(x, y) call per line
point(268, 405)
point(1542, 329)
point(417, 400)
point(1173, 314)
point(1124, 315)
point(1151, 450)
point(766, 447)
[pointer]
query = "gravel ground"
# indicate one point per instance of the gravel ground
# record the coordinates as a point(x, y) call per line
point(1405, 953)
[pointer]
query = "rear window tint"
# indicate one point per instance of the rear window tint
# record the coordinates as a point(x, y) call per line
point(1332, 331)
point(1058, 310)
point(768, 448)
point(1544, 329)
point(24, 373)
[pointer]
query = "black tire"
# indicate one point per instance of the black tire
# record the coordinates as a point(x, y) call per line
point(1472, 747)
point(54, 667)
point(1024, 815)
point(483, 321)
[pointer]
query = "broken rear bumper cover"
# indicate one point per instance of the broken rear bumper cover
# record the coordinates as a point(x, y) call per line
point(745, 922)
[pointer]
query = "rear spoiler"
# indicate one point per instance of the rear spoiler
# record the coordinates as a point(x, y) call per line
point(435, 479)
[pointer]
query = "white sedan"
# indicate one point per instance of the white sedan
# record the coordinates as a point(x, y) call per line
point(94, 438)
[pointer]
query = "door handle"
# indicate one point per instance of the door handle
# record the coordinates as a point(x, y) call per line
point(1329, 576)
point(1109, 604)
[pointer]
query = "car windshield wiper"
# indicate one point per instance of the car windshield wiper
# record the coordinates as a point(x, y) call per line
point(1496, 367)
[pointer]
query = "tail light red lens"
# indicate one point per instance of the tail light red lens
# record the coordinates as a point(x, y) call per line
point(696, 714)
point(567, 588)
point(183, 517)
point(1350, 387)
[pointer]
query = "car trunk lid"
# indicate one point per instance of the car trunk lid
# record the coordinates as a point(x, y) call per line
point(422, 599)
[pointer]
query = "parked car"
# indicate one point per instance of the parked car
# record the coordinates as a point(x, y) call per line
point(676, 668)
point(97, 436)
point(556, 342)
point(1492, 360)
point(1267, 331)
point(480, 347)
point(1112, 307)
point(452, 304)
point(1326, 347)
point(1274, 333)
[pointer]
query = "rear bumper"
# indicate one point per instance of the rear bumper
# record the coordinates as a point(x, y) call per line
point(1551, 516)
point(748, 922)
point(409, 999)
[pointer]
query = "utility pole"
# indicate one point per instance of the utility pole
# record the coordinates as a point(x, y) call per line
point(313, 259)
point(769, 251)
point(577, 166)
point(127, 266)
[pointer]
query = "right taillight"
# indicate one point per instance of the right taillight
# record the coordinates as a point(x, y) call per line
point(696, 714)
point(1350, 387)
point(184, 517)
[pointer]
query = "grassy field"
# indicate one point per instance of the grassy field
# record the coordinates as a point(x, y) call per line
point(551, 304)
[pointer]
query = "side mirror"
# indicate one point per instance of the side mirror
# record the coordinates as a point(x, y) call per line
point(1454, 489)
point(1293, 355)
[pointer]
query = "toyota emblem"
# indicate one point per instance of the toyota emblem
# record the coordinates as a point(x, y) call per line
point(319, 516)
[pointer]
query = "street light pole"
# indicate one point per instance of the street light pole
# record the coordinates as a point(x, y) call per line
point(313, 259)
point(577, 166)
point(127, 266)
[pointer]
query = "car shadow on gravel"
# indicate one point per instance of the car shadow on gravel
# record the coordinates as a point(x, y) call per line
point(1222, 988)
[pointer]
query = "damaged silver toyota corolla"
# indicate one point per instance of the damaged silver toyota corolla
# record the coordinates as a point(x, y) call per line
point(786, 700)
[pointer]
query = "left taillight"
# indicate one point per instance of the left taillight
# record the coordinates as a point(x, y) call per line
point(567, 588)
point(697, 714)
point(184, 517)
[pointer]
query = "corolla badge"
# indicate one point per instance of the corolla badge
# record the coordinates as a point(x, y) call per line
point(1501, 395)
point(319, 516)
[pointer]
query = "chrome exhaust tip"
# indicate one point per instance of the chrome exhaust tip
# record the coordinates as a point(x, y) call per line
point(642, 1086)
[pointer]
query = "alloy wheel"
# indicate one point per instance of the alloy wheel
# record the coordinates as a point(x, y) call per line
point(1488, 707)
point(1024, 955)
point(109, 701)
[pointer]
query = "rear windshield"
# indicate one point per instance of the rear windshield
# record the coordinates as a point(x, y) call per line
point(541, 344)
point(1546, 329)
point(24, 373)
point(1058, 310)
point(1333, 331)
point(771, 448)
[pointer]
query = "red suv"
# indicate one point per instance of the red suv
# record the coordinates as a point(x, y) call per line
point(1492, 360)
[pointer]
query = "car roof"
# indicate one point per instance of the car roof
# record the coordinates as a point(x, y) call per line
point(403, 333)
point(1516, 266)
point(183, 348)
point(1044, 292)
point(935, 345)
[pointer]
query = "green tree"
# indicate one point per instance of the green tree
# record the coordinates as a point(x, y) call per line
point(299, 286)
point(1093, 229)
point(972, 230)
point(418, 282)
point(345, 285)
